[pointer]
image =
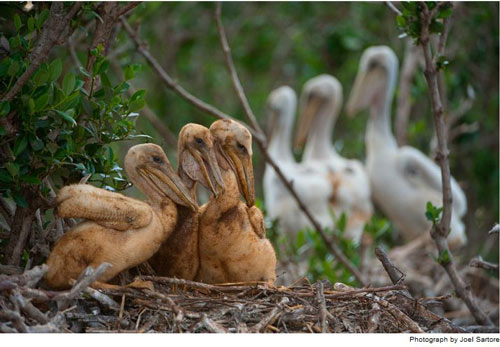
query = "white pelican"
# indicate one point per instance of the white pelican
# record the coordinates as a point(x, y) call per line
point(320, 103)
point(312, 186)
point(402, 179)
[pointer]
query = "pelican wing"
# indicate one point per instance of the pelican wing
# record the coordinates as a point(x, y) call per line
point(422, 172)
point(111, 210)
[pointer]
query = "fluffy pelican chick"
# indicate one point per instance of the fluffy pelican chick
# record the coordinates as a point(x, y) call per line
point(178, 256)
point(120, 230)
point(233, 244)
point(402, 179)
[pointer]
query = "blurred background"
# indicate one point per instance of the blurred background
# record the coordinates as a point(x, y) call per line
point(280, 43)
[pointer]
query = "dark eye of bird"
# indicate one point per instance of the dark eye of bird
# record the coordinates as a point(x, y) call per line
point(199, 141)
point(157, 159)
point(373, 65)
point(241, 147)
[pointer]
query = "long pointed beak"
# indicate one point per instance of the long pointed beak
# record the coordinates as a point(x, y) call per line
point(305, 119)
point(209, 169)
point(356, 99)
point(243, 168)
point(168, 182)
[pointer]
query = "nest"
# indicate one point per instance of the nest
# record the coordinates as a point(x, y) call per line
point(168, 305)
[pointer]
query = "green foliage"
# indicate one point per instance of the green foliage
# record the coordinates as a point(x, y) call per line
point(410, 19)
point(433, 213)
point(63, 130)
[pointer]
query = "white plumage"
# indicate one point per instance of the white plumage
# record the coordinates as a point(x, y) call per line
point(402, 179)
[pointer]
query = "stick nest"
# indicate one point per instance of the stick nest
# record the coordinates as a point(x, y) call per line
point(160, 304)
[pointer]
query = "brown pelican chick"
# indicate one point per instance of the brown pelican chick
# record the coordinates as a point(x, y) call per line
point(120, 230)
point(178, 256)
point(233, 246)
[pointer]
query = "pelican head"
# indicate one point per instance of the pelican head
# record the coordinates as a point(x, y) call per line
point(149, 169)
point(323, 92)
point(234, 144)
point(197, 157)
point(375, 80)
point(281, 103)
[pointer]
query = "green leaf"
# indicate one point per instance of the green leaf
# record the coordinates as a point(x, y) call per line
point(55, 69)
point(31, 105)
point(20, 145)
point(436, 27)
point(13, 169)
point(41, 102)
point(136, 105)
point(445, 12)
point(66, 117)
point(40, 77)
point(4, 108)
point(13, 68)
point(5, 177)
point(17, 22)
point(30, 179)
point(68, 84)
point(138, 95)
point(401, 21)
point(31, 24)
point(42, 17)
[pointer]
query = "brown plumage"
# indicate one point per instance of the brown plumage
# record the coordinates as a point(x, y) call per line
point(233, 247)
point(120, 230)
point(178, 256)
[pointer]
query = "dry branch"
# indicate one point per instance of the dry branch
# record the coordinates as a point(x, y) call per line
point(480, 263)
point(440, 231)
point(261, 142)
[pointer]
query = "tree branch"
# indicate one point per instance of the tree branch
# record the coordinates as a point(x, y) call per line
point(440, 231)
point(53, 33)
point(261, 143)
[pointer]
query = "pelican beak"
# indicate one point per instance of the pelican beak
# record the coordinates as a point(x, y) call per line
point(359, 98)
point(273, 123)
point(243, 168)
point(166, 181)
point(309, 111)
point(209, 169)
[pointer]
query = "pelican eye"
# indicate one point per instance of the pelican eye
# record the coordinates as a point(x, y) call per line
point(373, 64)
point(241, 147)
point(199, 141)
point(157, 159)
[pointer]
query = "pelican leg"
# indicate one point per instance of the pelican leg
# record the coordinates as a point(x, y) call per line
point(111, 210)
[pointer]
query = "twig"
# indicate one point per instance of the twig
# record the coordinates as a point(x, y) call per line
point(411, 324)
point(480, 263)
point(271, 316)
point(322, 306)
point(234, 75)
point(393, 7)
point(102, 298)
point(88, 277)
point(212, 326)
point(439, 232)
point(397, 276)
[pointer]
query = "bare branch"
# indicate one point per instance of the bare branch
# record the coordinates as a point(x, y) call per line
point(440, 231)
point(480, 263)
point(234, 75)
point(393, 7)
point(397, 276)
